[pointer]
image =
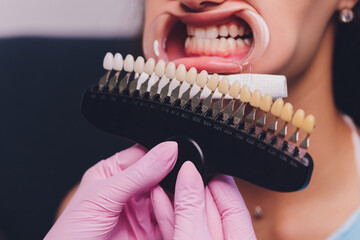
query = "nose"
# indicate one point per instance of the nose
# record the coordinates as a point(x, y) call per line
point(199, 4)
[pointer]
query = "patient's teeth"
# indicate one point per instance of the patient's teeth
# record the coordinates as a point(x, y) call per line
point(287, 112)
point(213, 82)
point(199, 32)
point(255, 98)
point(233, 30)
point(248, 41)
point(212, 32)
point(191, 76)
point(207, 45)
point(129, 63)
point(241, 30)
point(245, 94)
point(222, 45)
point(309, 124)
point(266, 103)
point(160, 68)
point(240, 43)
point(170, 70)
point(139, 65)
point(149, 66)
point(202, 79)
point(118, 62)
point(223, 31)
point(187, 42)
point(231, 43)
point(190, 31)
point(234, 90)
point(181, 73)
point(277, 107)
point(298, 118)
point(108, 61)
point(224, 86)
point(199, 43)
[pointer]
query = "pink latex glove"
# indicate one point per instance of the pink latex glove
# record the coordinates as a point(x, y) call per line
point(113, 198)
point(215, 212)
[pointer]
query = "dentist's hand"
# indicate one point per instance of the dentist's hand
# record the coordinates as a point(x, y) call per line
point(113, 199)
point(215, 212)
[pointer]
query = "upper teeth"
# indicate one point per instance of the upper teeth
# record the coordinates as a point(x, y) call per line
point(213, 32)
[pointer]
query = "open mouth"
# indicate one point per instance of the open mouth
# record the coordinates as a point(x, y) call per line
point(217, 41)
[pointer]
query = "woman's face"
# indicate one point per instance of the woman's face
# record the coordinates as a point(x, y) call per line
point(271, 36)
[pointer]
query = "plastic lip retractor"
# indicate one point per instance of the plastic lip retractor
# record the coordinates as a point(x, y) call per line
point(219, 138)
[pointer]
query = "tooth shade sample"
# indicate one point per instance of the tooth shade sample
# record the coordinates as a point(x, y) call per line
point(202, 79)
point(170, 70)
point(181, 73)
point(129, 63)
point(287, 112)
point(266, 102)
point(234, 90)
point(298, 119)
point(160, 68)
point(213, 82)
point(255, 98)
point(309, 124)
point(245, 94)
point(108, 61)
point(223, 31)
point(224, 86)
point(139, 65)
point(149, 66)
point(277, 107)
point(212, 32)
point(118, 62)
point(191, 76)
point(233, 30)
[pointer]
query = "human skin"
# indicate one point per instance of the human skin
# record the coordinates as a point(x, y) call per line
point(301, 47)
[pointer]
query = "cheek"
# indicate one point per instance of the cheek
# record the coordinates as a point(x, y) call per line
point(152, 9)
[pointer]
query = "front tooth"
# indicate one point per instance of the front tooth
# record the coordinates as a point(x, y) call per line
point(191, 76)
point(129, 63)
point(287, 112)
point(207, 45)
point(149, 66)
point(234, 90)
point(139, 65)
point(231, 43)
point(266, 103)
point(245, 94)
point(199, 32)
point(118, 62)
point(277, 107)
point(223, 31)
point(309, 124)
point(170, 70)
point(240, 43)
point(224, 86)
point(298, 118)
point(241, 30)
point(160, 68)
point(233, 30)
point(199, 44)
point(202, 79)
point(108, 61)
point(214, 45)
point(222, 45)
point(212, 32)
point(181, 73)
point(255, 98)
point(213, 82)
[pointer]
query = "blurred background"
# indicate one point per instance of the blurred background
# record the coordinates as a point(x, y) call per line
point(50, 51)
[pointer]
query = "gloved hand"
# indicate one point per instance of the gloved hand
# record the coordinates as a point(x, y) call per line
point(113, 198)
point(215, 212)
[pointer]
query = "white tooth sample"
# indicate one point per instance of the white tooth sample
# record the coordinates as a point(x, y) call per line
point(139, 65)
point(149, 66)
point(181, 73)
point(231, 43)
point(245, 94)
point(234, 90)
point(170, 70)
point(129, 63)
point(214, 45)
point(240, 43)
point(187, 42)
point(212, 32)
point(213, 82)
point(224, 86)
point(223, 31)
point(108, 61)
point(160, 68)
point(118, 62)
point(200, 32)
point(233, 30)
point(255, 98)
point(241, 30)
point(248, 41)
point(191, 76)
point(222, 44)
point(202, 79)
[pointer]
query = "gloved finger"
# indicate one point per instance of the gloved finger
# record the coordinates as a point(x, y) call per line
point(163, 211)
point(116, 163)
point(235, 216)
point(189, 202)
point(213, 216)
point(141, 176)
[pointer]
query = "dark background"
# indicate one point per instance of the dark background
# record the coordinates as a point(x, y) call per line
point(46, 144)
